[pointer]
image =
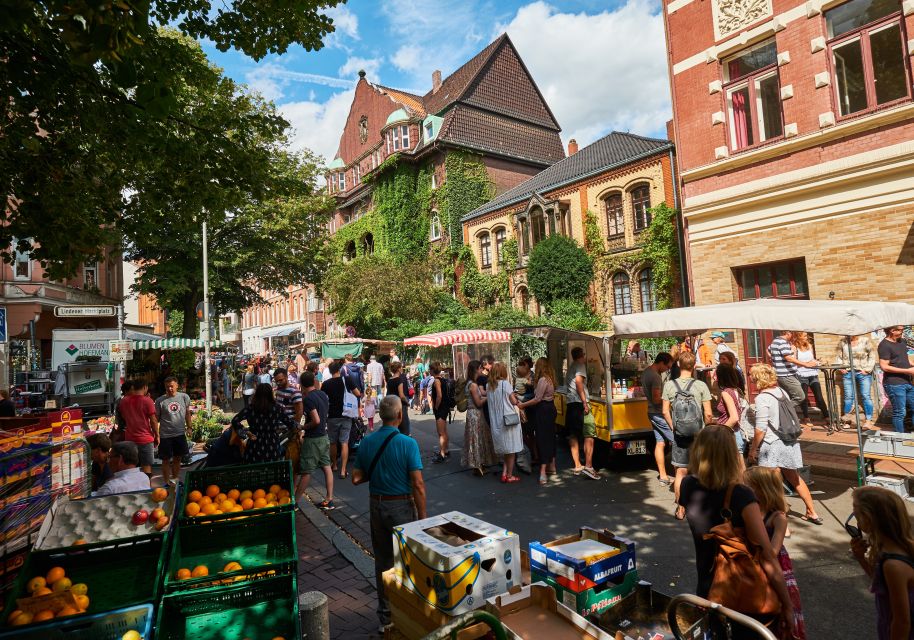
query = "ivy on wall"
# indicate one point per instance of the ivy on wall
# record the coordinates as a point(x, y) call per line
point(466, 187)
point(481, 289)
point(593, 239)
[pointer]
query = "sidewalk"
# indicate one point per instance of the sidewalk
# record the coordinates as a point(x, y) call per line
point(322, 567)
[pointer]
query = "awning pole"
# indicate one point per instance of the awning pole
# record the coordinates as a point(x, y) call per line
point(861, 460)
point(207, 378)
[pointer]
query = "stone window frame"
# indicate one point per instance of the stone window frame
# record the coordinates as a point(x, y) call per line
point(485, 249)
point(750, 81)
point(500, 234)
point(645, 216)
point(621, 281)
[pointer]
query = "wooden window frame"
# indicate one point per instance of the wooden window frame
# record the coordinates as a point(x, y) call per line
point(651, 294)
point(749, 80)
point(775, 293)
point(501, 236)
point(620, 214)
point(646, 213)
point(620, 297)
point(485, 250)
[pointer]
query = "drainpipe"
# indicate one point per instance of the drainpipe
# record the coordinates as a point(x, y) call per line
point(680, 235)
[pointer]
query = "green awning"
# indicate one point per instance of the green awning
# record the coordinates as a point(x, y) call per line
point(337, 350)
point(170, 344)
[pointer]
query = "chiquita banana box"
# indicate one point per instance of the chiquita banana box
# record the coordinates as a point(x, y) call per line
point(455, 562)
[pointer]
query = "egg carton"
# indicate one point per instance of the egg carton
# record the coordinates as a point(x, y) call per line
point(101, 519)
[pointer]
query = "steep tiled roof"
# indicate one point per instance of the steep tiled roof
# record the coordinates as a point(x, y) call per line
point(486, 131)
point(408, 100)
point(455, 84)
point(614, 150)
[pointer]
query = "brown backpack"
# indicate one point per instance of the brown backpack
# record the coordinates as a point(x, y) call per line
point(739, 581)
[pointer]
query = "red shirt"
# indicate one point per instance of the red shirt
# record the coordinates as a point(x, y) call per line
point(136, 411)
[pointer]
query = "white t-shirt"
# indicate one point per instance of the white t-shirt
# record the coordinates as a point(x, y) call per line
point(767, 414)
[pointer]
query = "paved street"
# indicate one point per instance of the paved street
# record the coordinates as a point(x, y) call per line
point(634, 504)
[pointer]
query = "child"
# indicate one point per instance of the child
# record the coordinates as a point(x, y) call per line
point(887, 556)
point(768, 487)
point(369, 407)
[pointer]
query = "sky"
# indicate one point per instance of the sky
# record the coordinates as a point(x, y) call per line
point(601, 65)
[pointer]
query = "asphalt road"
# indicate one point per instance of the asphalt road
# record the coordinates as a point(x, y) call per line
point(633, 504)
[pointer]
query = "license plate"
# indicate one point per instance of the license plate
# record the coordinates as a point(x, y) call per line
point(636, 448)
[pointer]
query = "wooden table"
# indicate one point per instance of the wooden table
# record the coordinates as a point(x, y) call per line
point(872, 458)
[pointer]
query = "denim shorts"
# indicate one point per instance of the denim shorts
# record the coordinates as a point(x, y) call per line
point(338, 430)
point(662, 431)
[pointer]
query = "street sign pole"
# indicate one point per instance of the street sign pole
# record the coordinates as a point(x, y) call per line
point(120, 336)
point(209, 385)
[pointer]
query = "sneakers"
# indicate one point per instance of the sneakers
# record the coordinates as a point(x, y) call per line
point(326, 505)
point(590, 473)
point(438, 459)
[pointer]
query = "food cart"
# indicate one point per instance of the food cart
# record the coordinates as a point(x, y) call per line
point(834, 317)
point(621, 417)
point(459, 346)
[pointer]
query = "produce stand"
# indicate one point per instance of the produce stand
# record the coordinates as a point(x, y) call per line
point(834, 317)
point(336, 348)
point(250, 476)
point(621, 421)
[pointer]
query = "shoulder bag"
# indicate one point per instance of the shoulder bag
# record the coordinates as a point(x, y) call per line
point(350, 402)
point(511, 417)
point(377, 456)
point(739, 582)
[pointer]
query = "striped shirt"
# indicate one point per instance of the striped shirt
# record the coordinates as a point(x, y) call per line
point(778, 350)
point(287, 398)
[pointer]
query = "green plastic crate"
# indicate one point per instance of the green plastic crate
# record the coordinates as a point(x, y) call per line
point(102, 626)
point(264, 608)
point(241, 477)
point(119, 574)
point(258, 544)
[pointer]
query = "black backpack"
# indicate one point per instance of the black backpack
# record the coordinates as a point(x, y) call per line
point(789, 429)
point(448, 393)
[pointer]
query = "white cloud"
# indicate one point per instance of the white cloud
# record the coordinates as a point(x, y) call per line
point(271, 80)
point(407, 58)
point(318, 125)
point(354, 64)
point(346, 22)
point(599, 72)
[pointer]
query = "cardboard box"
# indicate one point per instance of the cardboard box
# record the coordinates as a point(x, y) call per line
point(580, 574)
point(454, 562)
point(532, 612)
point(590, 601)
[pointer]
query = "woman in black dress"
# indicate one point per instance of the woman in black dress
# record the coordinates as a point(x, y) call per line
point(398, 385)
point(266, 419)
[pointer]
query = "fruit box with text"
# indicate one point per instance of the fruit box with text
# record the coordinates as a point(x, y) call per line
point(590, 601)
point(610, 558)
point(454, 562)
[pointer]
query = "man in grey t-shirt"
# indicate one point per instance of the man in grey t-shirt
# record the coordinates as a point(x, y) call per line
point(577, 405)
point(652, 385)
point(173, 412)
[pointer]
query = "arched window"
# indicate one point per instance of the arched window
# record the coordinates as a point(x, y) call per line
point(615, 218)
point(523, 296)
point(485, 250)
point(349, 253)
point(500, 244)
point(551, 215)
point(646, 286)
point(641, 206)
point(434, 231)
point(538, 225)
point(622, 294)
point(367, 244)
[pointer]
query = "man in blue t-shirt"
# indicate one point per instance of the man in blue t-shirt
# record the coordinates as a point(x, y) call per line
point(391, 465)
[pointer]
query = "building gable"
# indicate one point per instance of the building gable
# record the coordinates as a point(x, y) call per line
point(371, 105)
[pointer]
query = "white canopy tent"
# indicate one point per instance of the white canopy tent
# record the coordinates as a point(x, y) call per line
point(835, 317)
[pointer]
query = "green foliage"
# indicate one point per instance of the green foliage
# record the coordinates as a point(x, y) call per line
point(661, 250)
point(181, 361)
point(509, 252)
point(207, 425)
point(400, 201)
point(466, 187)
point(593, 239)
point(480, 289)
point(559, 269)
point(175, 324)
point(575, 315)
point(99, 82)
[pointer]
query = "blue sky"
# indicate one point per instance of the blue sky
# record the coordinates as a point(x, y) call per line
point(600, 65)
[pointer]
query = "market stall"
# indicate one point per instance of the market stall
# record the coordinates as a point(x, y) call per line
point(835, 317)
point(337, 348)
point(620, 410)
point(457, 347)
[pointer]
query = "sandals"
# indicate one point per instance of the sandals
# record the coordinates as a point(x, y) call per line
point(817, 520)
point(543, 481)
point(680, 513)
point(509, 479)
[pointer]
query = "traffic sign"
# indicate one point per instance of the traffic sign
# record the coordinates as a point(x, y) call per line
point(199, 311)
point(4, 335)
point(84, 312)
point(120, 350)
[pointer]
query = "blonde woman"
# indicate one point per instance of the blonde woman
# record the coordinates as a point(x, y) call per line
point(714, 471)
point(809, 376)
point(542, 408)
point(767, 449)
point(504, 420)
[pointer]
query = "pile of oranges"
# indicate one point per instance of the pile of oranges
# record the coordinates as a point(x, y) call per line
point(214, 502)
point(201, 571)
point(55, 581)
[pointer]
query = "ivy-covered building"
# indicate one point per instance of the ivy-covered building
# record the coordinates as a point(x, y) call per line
point(606, 196)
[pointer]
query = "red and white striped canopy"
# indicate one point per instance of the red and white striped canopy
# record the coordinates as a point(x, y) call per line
point(458, 336)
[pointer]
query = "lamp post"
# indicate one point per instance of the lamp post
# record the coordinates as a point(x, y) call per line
point(209, 386)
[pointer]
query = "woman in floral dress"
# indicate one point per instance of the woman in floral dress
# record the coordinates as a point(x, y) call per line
point(266, 422)
point(478, 449)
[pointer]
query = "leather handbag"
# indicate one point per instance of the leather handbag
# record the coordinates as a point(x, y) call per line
point(739, 582)
point(511, 417)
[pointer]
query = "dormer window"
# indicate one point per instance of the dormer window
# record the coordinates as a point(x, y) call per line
point(396, 134)
point(429, 131)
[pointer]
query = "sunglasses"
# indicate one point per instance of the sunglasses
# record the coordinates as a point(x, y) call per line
point(852, 530)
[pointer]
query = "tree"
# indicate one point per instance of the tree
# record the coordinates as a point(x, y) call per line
point(575, 315)
point(559, 269)
point(83, 86)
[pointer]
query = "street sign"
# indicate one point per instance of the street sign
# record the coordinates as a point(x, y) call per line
point(199, 311)
point(84, 312)
point(4, 336)
point(120, 350)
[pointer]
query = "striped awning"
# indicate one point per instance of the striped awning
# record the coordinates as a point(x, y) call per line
point(458, 336)
point(169, 344)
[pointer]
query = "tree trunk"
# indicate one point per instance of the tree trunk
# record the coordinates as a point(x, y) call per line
point(191, 326)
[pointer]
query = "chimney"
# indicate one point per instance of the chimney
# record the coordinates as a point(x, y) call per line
point(572, 147)
point(436, 81)
point(669, 130)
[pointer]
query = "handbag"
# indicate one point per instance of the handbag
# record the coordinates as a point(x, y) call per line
point(739, 582)
point(511, 417)
point(350, 402)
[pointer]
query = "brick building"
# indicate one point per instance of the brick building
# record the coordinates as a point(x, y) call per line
point(794, 126)
point(489, 107)
point(619, 178)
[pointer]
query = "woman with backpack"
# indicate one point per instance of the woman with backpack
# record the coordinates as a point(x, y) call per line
point(775, 443)
point(441, 409)
point(478, 448)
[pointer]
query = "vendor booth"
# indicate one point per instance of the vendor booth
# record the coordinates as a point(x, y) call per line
point(834, 317)
point(620, 412)
point(338, 348)
point(459, 346)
